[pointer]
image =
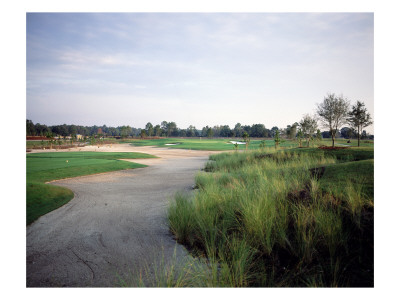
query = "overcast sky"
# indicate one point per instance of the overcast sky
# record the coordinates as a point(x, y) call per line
point(194, 68)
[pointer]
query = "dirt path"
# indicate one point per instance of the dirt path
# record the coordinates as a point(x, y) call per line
point(114, 225)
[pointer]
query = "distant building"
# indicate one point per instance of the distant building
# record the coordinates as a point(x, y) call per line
point(79, 137)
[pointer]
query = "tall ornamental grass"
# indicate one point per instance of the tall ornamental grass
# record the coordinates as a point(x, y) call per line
point(261, 218)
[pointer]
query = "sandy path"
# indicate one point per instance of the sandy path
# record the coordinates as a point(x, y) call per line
point(115, 223)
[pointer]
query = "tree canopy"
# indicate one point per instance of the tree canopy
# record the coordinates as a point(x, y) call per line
point(359, 118)
point(309, 126)
point(333, 112)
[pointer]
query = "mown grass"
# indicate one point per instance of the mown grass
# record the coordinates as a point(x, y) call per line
point(42, 198)
point(207, 144)
point(302, 217)
point(225, 144)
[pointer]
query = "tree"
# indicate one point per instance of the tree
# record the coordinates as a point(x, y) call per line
point(333, 112)
point(125, 131)
point(30, 128)
point(157, 130)
point(273, 130)
point(238, 130)
point(99, 132)
point(300, 136)
point(225, 131)
point(245, 128)
point(204, 131)
point(164, 127)
point(63, 130)
point(364, 135)
point(277, 138)
point(105, 130)
point(293, 130)
point(182, 133)
point(326, 134)
point(169, 128)
point(149, 129)
point(258, 130)
point(191, 131)
point(216, 130)
point(318, 135)
point(210, 132)
point(287, 131)
point(347, 132)
point(112, 131)
point(246, 138)
point(41, 129)
point(72, 130)
point(308, 126)
point(359, 118)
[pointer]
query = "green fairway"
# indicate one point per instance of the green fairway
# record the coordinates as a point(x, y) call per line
point(208, 144)
point(227, 145)
point(43, 167)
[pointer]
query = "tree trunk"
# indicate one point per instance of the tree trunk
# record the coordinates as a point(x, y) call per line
point(358, 127)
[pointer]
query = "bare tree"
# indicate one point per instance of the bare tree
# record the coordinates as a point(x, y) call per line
point(333, 112)
point(308, 126)
point(359, 118)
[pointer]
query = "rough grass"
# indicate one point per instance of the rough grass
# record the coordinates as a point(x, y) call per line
point(270, 218)
point(43, 167)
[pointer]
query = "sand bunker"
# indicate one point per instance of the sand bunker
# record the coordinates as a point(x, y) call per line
point(115, 224)
point(239, 143)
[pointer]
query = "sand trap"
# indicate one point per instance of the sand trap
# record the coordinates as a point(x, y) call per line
point(115, 224)
point(239, 143)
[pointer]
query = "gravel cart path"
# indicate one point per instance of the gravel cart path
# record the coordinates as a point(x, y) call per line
point(115, 224)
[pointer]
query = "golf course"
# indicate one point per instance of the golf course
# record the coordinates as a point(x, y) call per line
point(45, 167)
point(258, 217)
point(213, 149)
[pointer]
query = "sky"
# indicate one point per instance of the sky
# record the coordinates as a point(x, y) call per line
point(194, 68)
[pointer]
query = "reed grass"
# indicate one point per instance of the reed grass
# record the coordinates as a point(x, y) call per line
point(262, 218)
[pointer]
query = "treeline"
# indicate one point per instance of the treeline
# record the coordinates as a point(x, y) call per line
point(73, 130)
point(170, 129)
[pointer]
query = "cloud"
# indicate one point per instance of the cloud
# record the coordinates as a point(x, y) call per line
point(216, 61)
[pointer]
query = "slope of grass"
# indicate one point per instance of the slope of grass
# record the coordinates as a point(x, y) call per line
point(43, 167)
point(342, 154)
point(265, 218)
point(356, 173)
